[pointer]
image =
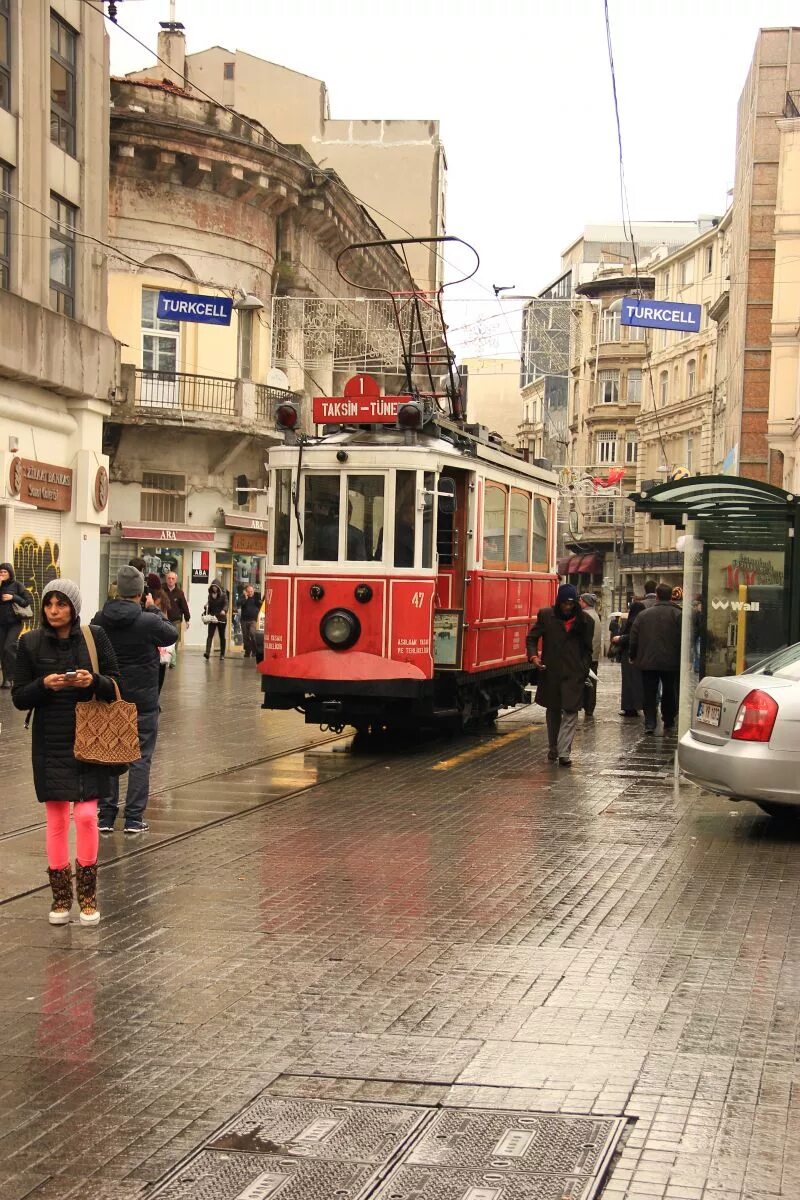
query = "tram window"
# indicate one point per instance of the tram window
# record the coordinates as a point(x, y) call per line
point(283, 517)
point(321, 528)
point(519, 520)
point(364, 517)
point(429, 483)
point(405, 518)
point(541, 523)
point(494, 525)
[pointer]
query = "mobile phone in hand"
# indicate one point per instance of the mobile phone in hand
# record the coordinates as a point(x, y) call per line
point(70, 675)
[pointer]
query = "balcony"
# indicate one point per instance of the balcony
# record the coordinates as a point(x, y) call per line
point(199, 401)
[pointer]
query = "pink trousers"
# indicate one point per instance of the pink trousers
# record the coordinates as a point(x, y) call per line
point(57, 838)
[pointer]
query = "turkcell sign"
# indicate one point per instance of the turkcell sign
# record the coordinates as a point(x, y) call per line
point(661, 314)
point(205, 310)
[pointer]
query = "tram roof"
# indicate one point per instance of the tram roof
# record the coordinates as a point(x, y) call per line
point(727, 508)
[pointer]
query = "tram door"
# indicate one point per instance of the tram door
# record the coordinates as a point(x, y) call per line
point(451, 542)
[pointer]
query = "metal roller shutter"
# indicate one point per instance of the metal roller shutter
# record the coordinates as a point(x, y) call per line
point(37, 549)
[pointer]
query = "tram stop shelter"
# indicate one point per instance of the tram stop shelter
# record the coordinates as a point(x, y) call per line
point(741, 571)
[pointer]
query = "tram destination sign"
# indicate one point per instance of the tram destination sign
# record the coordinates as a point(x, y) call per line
point(661, 314)
point(356, 410)
point(204, 310)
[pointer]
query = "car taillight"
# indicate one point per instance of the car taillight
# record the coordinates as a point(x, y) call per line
point(755, 718)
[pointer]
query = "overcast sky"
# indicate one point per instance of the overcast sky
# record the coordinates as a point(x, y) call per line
point(523, 93)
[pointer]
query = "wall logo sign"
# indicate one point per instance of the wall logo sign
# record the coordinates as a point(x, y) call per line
point(661, 314)
point(204, 310)
point(201, 561)
point(737, 605)
point(45, 485)
point(100, 494)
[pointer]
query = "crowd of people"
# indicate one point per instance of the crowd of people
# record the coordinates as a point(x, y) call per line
point(121, 655)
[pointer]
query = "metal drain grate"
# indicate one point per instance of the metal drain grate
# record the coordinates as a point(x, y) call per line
point(444, 1183)
point(216, 1176)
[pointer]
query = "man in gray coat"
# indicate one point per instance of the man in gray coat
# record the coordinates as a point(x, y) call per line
point(564, 658)
point(655, 648)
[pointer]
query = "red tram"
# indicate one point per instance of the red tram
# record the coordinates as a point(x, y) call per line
point(409, 554)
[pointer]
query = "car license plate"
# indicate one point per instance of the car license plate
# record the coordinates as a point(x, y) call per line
point(708, 713)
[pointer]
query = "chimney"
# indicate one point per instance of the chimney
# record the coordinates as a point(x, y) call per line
point(172, 49)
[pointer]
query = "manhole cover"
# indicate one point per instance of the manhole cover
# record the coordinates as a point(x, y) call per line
point(524, 1143)
point(444, 1183)
point(337, 1131)
point(215, 1176)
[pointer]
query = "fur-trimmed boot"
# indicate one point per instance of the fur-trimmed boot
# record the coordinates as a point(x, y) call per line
point(61, 883)
point(86, 885)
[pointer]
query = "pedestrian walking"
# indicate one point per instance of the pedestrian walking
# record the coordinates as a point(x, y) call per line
point(215, 615)
point(154, 586)
point(655, 648)
point(248, 615)
point(15, 605)
point(588, 602)
point(631, 690)
point(135, 636)
point(53, 675)
point(177, 609)
point(564, 659)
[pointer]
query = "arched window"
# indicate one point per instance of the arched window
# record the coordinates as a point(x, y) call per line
point(691, 377)
point(663, 388)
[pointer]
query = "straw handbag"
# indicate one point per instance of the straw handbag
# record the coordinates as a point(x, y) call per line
point(105, 732)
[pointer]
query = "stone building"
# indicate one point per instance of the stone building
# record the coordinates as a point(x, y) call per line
point(492, 389)
point(681, 414)
point(58, 362)
point(784, 393)
point(207, 202)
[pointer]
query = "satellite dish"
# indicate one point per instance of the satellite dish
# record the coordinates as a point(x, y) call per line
point(278, 379)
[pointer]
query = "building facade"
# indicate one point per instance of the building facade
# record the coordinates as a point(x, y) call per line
point(492, 390)
point(397, 168)
point(58, 362)
point(784, 383)
point(206, 202)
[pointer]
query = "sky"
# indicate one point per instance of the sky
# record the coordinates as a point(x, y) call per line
point(522, 91)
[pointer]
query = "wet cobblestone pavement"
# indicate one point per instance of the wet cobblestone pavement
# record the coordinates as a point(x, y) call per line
point(461, 927)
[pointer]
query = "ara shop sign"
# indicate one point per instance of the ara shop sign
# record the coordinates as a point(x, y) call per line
point(201, 561)
point(661, 314)
point(205, 310)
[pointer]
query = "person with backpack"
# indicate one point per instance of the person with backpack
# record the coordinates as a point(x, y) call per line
point(53, 675)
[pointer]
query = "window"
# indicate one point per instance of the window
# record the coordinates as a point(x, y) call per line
point(608, 387)
point(283, 514)
point(245, 344)
point(63, 58)
point(606, 446)
point(636, 333)
point(703, 370)
point(689, 454)
point(519, 515)
point(364, 517)
point(405, 518)
point(63, 219)
point(5, 54)
point(634, 386)
point(663, 388)
point(163, 498)
point(5, 225)
point(539, 535)
point(687, 272)
point(691, 377)
point(665, 286)
point(609, 326)
point(494, 525)
point(159, 355)
point(631, 446)
point(321, 525)
point(228, 70)
point(708, 260)
point(429, 486)
point(604, 512)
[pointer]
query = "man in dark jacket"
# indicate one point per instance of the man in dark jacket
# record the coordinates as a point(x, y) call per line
point(177, 608)
point(11, 594)
point(135, 636)
point(248, 615)
point(565, 657)
point(655, 648)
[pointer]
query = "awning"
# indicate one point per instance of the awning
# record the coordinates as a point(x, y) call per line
point(162, 533)
point(243, 521)
point(562, 566)
point(590, 564)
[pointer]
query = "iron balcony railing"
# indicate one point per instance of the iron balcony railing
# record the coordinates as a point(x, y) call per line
point(180, 392)
point(267, 400)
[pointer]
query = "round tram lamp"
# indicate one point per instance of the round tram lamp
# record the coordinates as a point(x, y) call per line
point(340, 628)
point(287, 415)
point(363, 593)
point(316, 591)
point(410, 415)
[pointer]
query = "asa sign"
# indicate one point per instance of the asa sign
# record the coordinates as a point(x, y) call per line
point(661, 314)
point(204, 310)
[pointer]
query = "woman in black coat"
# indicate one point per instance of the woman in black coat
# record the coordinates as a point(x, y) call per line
point(217, 608)
point(53, 675)
point(11, 593)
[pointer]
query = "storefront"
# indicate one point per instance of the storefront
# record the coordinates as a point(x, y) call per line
point(246, 564)
point(187, 551)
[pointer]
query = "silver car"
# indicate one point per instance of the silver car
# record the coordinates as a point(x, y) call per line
point(744, 742)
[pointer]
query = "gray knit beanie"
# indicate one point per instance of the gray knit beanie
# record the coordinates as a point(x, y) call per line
point(130, 583)
point(64, 587)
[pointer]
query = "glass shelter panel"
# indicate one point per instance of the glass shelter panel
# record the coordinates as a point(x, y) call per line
point(744, 618)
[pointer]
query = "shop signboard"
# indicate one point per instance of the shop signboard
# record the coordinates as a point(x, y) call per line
point(200, 566)
point(661, 314)
point(244, 521)
point(42, 484)
point(141, 533)
point(203, 310)
point(249, 543)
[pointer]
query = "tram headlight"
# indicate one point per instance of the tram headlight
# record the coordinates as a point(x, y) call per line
point(410, 415)
point(340, 628)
